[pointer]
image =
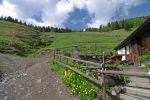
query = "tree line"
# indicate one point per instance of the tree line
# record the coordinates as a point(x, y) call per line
point(127, 24)
point(39, 28)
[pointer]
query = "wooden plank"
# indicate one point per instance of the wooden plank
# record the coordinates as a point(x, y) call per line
point(135, 53)
point(95, 81)
point(138, 74)
point(79, 60)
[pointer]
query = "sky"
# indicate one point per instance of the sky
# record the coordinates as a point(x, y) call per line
point(73, 14)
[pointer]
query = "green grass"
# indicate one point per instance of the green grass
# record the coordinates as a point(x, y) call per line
point(145, 59)
point(105, 41)
point(102, 39)
point(18, 39)
point(25, 41)
point(79, 85)
point(4, 39)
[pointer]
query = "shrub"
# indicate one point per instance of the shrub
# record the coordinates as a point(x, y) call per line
point(145, 58)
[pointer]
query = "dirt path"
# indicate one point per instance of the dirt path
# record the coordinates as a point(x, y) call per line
point(30, 79)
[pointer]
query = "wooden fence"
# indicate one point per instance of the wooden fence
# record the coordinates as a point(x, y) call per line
point(99, 69)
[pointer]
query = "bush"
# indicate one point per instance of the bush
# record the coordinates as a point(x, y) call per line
point(145, 58)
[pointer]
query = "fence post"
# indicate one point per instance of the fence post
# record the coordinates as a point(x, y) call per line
point(148, 64)
point(57, 51)
point(54, 57)
point(103, 80)
point(95, 46)
point(60, 58)
point(76, 52)
point(66, 69)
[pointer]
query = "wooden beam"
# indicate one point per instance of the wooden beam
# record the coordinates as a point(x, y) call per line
point(95, 81)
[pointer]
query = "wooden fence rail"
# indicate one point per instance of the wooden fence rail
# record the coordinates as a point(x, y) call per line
point(79, 60)
point(102, 71)
point(97, 82)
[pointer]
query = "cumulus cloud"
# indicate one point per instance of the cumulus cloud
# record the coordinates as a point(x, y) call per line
point(56, 12)
point(105, 10)
point(7, 9)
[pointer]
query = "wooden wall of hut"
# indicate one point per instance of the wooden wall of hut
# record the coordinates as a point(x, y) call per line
point(148, 41)
point(135, 53)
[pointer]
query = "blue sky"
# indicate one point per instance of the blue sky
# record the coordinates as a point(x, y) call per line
point(78, 16)
point(73, 14)
point(141, 10)
point(78, 19)
point(0, 1)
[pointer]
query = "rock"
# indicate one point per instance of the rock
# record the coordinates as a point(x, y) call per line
point(148, 64)
point(29, 83)
point(21, 88)
point(6, 92)
point(142, 65)
point(39, 81)
point(24, 74)
point(15, 91)
point(5, 97)
point(28, 95)
point(60, 92)
point(39, 92)
point(19, 85)
point(13, 79)
point(116, 90)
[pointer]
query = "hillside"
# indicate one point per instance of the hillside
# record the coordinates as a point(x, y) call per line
point(23, 40)
point(19, 39)
point(89, 40)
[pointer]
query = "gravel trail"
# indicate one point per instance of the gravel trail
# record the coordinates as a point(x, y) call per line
point(30, 79)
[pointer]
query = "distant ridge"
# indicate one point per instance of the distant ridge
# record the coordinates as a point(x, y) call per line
point(126, 24)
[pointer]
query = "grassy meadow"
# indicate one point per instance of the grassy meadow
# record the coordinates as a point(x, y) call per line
point(20, 40)
point(23, 40)
point(89, 40)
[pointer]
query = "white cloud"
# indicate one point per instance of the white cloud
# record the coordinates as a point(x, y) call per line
point(56, 12)
point(7, 9)
point(105, 10)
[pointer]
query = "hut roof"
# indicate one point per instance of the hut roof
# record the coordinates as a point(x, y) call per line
point(136, 34)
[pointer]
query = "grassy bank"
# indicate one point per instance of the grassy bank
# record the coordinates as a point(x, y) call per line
point(21, 40)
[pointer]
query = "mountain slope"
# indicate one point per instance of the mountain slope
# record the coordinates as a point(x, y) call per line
point(23, 40)
point(18, 39)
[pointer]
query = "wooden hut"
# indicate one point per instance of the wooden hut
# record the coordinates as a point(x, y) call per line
point(137, 44)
